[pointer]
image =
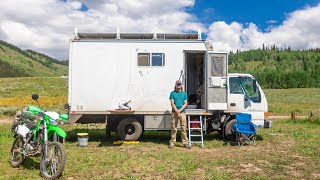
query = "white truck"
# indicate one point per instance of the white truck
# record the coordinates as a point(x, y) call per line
point(125, 79)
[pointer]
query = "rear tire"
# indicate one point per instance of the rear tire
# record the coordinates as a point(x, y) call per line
point(229, 132)
point(129, 129)
point(16, 159)
point(54, 166)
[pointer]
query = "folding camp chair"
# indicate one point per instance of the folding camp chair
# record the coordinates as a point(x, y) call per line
point(245, 130)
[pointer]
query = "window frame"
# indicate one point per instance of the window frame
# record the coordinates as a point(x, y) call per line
point(150, 59)
point(244, 91)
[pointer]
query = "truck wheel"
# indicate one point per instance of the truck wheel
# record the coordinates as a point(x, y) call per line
point(129, 129)
point(228, 131)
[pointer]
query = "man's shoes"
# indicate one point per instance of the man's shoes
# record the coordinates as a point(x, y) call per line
point(187, 146)
point(171, 146)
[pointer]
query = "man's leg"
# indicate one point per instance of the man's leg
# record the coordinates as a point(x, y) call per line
point(183, 123)
point(174, 123)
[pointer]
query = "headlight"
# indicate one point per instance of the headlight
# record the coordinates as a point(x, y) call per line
point(53, 122)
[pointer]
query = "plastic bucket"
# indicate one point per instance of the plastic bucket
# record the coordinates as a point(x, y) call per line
point(83, 139)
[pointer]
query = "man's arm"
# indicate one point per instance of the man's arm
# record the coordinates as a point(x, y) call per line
point(184, 106)
point(174, 106)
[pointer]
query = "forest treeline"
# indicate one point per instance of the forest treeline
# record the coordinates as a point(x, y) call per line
point(279, 68)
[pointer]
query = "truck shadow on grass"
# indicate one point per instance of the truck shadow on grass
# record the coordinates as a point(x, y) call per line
point(158, 137)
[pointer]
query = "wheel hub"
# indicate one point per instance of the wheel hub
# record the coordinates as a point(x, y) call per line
point(129, 129)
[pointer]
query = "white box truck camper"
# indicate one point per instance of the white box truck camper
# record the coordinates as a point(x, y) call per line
point(125, 80)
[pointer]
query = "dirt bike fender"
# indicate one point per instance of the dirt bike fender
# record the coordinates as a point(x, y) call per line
point(57, 130)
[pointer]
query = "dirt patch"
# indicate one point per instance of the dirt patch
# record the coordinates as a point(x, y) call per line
point(316, 175)
point(297, 164)
point(249, 168)
point(263, 162)
point(294, 173)
point(278, 134)
point(6, 120)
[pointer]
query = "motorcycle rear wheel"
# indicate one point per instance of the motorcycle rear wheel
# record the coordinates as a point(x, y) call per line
point(54, 165)
point(16, 158)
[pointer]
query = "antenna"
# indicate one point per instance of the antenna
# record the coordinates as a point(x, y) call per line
point(181, 74)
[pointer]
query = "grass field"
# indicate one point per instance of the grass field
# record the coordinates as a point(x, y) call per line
point(15, 93)
point(284, 101)
point(290, 150)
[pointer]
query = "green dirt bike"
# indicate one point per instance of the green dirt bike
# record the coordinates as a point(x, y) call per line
point(32, 139)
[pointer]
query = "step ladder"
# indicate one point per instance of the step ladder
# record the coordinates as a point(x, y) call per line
point(192, 130)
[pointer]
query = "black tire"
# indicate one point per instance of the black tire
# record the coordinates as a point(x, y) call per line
point(129, 129)
point(56, 161)
point(16, 159)
point(228, 130)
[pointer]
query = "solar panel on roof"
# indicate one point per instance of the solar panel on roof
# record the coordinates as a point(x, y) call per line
point(161, 36)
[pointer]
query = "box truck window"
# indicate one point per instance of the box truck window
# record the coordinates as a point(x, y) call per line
point(143, 59)
point(157, 59)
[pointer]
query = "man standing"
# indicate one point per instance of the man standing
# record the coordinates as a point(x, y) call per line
point(179, 101)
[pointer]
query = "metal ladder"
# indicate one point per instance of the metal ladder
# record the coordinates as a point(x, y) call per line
point(190, 130)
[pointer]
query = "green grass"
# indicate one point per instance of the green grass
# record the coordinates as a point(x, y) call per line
point(22, 87)
point(289, 150)
point(300, 100)
point(280, 101)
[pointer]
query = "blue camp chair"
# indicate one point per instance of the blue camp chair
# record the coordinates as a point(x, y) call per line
point(245, 130)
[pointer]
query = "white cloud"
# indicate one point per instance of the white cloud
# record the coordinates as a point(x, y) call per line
point(225, 36)
point(47, 25)
point(299, 30)
point(271, 21)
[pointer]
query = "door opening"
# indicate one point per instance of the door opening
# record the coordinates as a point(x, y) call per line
point(195, 87)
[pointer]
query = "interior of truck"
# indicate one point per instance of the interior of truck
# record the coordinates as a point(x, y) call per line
point(194, 79)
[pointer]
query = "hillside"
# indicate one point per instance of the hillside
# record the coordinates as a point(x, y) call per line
point(279, 68)
point(15, 62)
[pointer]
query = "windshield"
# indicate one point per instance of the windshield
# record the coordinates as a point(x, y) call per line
point(245, 85)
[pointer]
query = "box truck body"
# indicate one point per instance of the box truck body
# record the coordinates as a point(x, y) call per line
point(106, 70)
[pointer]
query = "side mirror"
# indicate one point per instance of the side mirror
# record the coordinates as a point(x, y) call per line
point(66, 106)
point(35, 97)
point(254, 86)
point(64, 117)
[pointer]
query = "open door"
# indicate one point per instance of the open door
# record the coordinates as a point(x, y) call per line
point(216, 73)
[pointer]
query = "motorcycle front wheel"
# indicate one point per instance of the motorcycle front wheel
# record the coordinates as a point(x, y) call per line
point(53, 166)
point(17, 158)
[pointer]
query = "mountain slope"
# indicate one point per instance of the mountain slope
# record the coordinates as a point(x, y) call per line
point(15, 62)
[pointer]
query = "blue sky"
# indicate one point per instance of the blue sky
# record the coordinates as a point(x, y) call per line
point(244, 11)
point(48, 25)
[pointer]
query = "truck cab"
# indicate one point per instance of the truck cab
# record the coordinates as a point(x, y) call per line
point(246, 96)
